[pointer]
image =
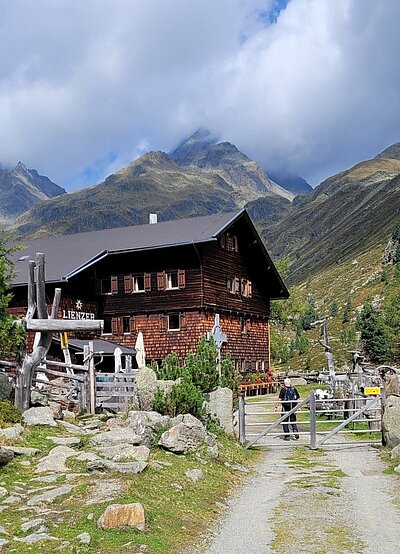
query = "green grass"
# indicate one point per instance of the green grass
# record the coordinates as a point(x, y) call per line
point(175, 516)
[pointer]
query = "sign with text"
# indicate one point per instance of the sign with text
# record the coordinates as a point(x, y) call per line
point(372, 390)
point(78, 313)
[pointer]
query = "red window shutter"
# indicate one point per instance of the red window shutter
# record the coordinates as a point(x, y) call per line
point(120, 325)
point(222, 241)
point(147, 282)
point(247, 326)
point(235, 244)
point(243, 287)
point(163, 322)
point(128, 284)
point(182, 322)
point(161, 280)
point(114, 326)
point(181, 279)
point(114, 284)
point(249, 289)
point(132, 325)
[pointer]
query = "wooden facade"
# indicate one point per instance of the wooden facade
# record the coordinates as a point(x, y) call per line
point(171, 294)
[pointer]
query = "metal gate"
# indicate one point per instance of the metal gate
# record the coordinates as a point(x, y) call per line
point(320, 422)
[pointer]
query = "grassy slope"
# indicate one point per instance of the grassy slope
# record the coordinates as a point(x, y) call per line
point(178, 511)
point(358, 277)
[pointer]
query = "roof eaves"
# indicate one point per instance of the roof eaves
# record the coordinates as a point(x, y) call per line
point(87, 264)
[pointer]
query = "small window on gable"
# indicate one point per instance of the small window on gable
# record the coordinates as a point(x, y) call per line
point(231, 243)
point(173, 322)
point(172, 280)
point(105, 286)
point(138, 283)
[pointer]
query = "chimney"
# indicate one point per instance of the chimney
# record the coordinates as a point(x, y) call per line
point(152, 219)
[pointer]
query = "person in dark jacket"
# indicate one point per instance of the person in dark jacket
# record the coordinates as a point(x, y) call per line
point(288, 396)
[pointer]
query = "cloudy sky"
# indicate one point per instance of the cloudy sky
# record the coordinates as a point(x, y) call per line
point(312, 86)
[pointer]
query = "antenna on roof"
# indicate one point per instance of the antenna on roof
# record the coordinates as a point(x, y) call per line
point(152, 219)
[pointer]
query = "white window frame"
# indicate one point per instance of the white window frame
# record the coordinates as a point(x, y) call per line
point(168, 280)
point(135, 284)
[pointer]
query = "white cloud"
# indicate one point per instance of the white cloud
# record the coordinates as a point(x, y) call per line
point(91, 84)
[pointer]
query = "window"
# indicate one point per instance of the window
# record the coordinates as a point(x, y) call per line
point(244, 326)
point(105, 286)
point(126, 325)
point(233, 285)
point(173, 322)
point(229, 242)
point(246, 288)
point(107, 326)
point(138, 283)
point(172, 280)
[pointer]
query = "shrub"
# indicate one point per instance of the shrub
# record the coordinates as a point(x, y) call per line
point(9, 413)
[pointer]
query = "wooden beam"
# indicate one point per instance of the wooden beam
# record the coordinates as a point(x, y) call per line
point(58, 325)
point(60, 374)
point(63, 364)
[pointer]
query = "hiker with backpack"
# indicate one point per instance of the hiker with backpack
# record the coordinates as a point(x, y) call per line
point(289, 396)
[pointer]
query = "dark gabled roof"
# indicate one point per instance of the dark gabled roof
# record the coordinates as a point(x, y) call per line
point(67, 255)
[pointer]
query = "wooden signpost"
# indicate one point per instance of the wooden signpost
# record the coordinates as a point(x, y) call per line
point(45, 327)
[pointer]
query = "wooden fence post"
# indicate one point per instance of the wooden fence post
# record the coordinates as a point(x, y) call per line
point(313, 422)
point(92, 379)
point(242, 420)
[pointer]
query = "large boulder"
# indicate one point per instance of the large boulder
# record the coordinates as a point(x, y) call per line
point(219, 404)
point(119, 467)
point(125, 453)
point(391, 421)
point(116, 436)
point(146, 424)
point(39, 416)
point(123, 515)
point(38, 399)
point(145, 389)
point(6, 389)
point(186, 435)
point(54, 462)
point(12, 433)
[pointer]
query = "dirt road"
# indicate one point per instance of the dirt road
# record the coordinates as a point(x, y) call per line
point(325, 502)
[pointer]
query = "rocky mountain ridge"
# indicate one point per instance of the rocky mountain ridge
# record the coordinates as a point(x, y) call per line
point(22, 188)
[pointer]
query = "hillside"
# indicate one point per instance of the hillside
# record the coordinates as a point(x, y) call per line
point(22, 188)
point(345, 215)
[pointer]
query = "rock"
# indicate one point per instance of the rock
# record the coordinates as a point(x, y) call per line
point(3, 531)
point(297, 381)
point(38, 399)
point(104, 490)
point(22, 450)
point(48, 497)
point(36, 537)
point(90, 516)
point(56, 408)
point(123, 515)
point(128, 452)
point(145, 388)
point(66, 441)
point(194, 474)
point(391, 252)
point(184, 437)
point(115, 422)
point(12, 433)
point(123, 467)
point(63, 545)
point(146, 424)
point(32, 524)
point(69, 416)
point(48, 478)
point(93, 424)
point(3, 542)
point(391, 421)
point(12, 499)
point(165, 385)
point(84, 538)
point(6, 455)
point(3, 492)
point(237, 467)
point(70, 427)
point(55, 460)
point(213, 452)
point(116, 436)
point(87, 457)
point(219, 404)
point(395, 453)
point(397, 469)
point(39, 416)
point(6, 389)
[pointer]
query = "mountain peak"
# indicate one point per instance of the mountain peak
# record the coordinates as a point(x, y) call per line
point(392, 151)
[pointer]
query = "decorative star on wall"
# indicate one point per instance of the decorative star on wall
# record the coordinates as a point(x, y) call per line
point(78, 304)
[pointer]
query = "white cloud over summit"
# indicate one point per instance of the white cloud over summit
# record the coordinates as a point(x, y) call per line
point(85, 87)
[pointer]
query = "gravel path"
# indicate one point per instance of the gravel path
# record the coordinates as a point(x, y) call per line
point(300, 501)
